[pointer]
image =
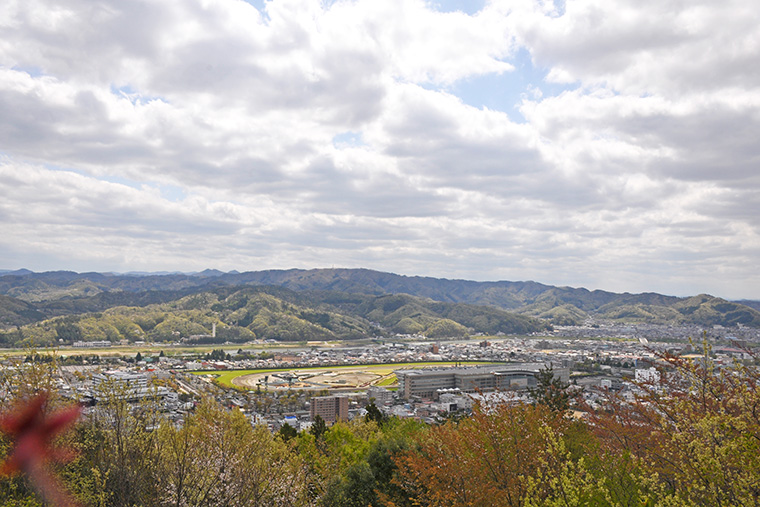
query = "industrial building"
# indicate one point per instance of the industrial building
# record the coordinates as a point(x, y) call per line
point(124, 385)
point(427, 383)
point(92, 344)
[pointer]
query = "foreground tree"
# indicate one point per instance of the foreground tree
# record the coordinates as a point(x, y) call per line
point(483, 460)
point(693, 432)
point(119, 442)
point(551, 391)
point(218, 459)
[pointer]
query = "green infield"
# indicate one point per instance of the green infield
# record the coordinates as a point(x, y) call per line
point(387, 381)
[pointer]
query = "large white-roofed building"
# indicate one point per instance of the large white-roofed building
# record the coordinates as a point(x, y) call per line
point(426, 383)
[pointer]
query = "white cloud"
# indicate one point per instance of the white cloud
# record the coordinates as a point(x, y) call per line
point(184, 134)
point(665, 47)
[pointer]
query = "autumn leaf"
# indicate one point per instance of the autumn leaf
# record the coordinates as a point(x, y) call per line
point(33, 431)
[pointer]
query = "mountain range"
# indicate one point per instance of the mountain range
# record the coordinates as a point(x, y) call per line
point(333, 303)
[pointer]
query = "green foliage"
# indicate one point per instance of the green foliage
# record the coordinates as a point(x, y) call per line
point(484, 319)
point(558, 314)
point(561, 481)
point(146, 320)
point(245, 313)
point(367, 296)
point(29, 377)
point(550, 391)
point(408, 325)
point(408, 314)
point(179, 325)
point(14, 312)
point(397, 438)
point(25, 378)
point(374, 414)
point(446, 328)
point(122, 447)
point(217, 355)
point(234, 334)
point(354, 488)
point(694, 433)
point(643, 313)
point(68, 332)
point(708, 310)
point(318, 428)
point(218, 459)
point(287, 432)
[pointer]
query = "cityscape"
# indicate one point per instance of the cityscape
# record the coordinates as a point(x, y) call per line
point(590, 364)
point(399, 253)
point(294, 392)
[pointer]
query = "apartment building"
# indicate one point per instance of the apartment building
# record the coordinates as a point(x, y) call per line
point(329, 408)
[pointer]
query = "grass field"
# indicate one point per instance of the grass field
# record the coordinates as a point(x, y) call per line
point(149, 349)
point(383, 372)
point(170, 349)
point(388, 381)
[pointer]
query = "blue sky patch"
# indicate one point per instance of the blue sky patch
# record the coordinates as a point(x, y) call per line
point(504, 92)
point(171, 192)
point(468, 6)
point(119, 180)
point(348, 139)
point(31, 70)
point(134, 96)
point(259, 4)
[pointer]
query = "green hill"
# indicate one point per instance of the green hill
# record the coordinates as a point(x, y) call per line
point(63, 293)
point(14, 312)
point(240, 314)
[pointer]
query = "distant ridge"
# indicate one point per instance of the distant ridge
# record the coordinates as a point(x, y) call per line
point(15, 272)
point(557, 305)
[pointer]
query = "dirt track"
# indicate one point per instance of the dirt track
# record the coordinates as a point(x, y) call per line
point(344, 378)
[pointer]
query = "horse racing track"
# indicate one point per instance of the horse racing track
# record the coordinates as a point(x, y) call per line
point(333, 378)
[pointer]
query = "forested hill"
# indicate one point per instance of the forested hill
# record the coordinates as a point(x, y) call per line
point(243, 313)
point(557, 305)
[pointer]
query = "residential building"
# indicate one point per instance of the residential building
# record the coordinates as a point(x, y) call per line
point(329, 408)
point(381, 395)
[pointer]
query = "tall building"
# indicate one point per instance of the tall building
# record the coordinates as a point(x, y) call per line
point(510, 376)
point(329, 408)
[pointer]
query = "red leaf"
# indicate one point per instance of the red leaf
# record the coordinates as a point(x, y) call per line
point(33, 432)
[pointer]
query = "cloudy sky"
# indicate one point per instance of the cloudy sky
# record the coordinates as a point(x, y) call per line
point(610, 144)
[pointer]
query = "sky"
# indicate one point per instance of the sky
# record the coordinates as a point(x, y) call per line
point(606, 144)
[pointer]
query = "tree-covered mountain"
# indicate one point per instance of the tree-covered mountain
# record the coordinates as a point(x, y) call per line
point(241, 314)
point(14, 312)
point(64, 292)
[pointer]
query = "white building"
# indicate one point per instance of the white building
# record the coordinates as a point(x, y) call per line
point(647, 375)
